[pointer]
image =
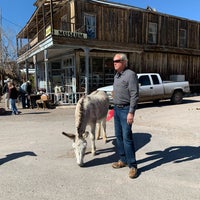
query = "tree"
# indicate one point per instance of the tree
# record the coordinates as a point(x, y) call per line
point(8, 64)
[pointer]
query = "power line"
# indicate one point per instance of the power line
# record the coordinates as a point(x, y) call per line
point(4, 38)
point(1, 54)
point(11, 22)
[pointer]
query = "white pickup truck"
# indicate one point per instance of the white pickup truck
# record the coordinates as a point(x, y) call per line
point(152, 88)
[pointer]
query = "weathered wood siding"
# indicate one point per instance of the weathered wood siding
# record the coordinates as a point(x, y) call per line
point(128, 29)
point(130, 26)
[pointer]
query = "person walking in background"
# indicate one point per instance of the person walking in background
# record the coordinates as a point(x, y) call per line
point(23, 93)
point(125, 97)
point(6, 94)
point(13, 94)
point(29, 91)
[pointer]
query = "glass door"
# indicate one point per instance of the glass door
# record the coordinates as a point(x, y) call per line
point(69, 75)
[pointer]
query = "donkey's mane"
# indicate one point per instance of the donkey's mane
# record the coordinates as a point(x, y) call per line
point(80, 113)
point(90, 109)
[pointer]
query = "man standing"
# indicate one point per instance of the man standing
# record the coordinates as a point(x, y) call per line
point(126, 93)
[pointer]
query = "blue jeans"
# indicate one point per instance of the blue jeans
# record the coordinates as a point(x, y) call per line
point(123, 133)
point(13, 106)
point(23, 96)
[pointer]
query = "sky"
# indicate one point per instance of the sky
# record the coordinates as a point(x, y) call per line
point(16, 13)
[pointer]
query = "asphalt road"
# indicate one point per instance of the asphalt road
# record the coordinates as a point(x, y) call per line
point(37, 162)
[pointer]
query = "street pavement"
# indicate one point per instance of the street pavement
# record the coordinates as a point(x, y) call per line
point(38, 163)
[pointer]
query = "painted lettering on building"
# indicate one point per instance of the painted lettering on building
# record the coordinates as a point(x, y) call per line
point(70, 34)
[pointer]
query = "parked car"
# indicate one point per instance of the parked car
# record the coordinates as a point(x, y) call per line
point(152, 88)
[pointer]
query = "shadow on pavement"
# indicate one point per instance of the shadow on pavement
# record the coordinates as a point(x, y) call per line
point(175, 154)
point(36, 113)
point(14, 156)
point(6, 112)
point(26, 113)
point(140, 140)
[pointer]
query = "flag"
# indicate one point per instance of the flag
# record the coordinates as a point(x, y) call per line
point(110, 115)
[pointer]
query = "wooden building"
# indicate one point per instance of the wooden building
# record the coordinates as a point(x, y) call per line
point(71, 43)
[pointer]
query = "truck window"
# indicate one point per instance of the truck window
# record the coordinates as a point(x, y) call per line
point(155, 79)
point(144, 80)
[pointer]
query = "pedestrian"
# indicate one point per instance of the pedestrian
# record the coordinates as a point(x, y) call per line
point(29, 92)
point(23, 93)
point(6, 94)
point(125, 97)
point(13, 94)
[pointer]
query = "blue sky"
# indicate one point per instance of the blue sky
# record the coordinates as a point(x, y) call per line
point(16, 13)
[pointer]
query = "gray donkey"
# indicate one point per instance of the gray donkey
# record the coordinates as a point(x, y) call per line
point(90, 110)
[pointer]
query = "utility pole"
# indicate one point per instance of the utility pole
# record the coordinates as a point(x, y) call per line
point(1, 49)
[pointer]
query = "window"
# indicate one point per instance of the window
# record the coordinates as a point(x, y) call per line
point(144, 80)
point(67, 24)
point(152, 33)
point(64, 24)
point(155, 79)
point(182, 38)
point(90, 26)
point(55, 65)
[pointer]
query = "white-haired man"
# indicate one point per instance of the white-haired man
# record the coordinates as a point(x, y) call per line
point(125, 97)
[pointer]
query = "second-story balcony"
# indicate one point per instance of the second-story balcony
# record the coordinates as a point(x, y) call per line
point(29, 40)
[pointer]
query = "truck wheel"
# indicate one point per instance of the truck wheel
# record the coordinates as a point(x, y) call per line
point(177, 97)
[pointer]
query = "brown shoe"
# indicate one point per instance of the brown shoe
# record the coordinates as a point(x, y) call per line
point(119, 164)
point(133, 172)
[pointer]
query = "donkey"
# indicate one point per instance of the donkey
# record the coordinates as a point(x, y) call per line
point(90, 110)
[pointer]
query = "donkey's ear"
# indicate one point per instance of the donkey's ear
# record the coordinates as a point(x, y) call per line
point(69, 135)
point(85, 134)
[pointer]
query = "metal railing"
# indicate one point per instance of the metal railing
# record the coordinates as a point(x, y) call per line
point(65, 98)
point(40, 35)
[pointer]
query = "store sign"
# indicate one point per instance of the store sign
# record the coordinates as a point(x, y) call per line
point(70, 34)
point(48, 30)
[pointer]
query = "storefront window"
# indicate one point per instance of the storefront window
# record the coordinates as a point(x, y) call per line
point(69, 75)
point(108, 72)
point(101, 72)
point(56, 74)
point(97, 73)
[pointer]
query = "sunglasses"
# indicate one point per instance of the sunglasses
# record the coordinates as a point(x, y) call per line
point(117, 61)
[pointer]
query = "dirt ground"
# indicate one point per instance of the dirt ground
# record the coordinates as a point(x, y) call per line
point(37, 162)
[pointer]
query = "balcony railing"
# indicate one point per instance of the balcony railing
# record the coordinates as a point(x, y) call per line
point(44, 32)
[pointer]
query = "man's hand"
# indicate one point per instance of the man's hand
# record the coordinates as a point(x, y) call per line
point(130, 118)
